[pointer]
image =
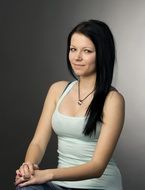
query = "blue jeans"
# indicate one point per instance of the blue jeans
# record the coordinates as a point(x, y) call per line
point(47, 186)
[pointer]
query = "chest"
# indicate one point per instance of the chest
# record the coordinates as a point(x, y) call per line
point(69, 105)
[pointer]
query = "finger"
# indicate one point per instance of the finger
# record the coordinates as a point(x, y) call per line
point(29, 182)
point(18, 173)
point(17, 177)
point(31, 169)
point(19, 180)
point(26, 170)
point(21, 170)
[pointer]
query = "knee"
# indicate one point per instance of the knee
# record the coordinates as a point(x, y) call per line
point(32, 187)
point(23, 188)
point(18, 188)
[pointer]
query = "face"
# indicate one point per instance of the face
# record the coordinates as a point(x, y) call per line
point(82, 55)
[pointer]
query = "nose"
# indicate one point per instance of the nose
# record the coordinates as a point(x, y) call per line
point(78, 56)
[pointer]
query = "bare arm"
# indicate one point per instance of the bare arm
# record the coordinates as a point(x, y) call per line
point(113, 119)
point(43, 131)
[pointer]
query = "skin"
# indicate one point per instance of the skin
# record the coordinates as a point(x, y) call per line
point(82, 57)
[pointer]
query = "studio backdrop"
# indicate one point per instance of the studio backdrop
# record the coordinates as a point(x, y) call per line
point(33, 56)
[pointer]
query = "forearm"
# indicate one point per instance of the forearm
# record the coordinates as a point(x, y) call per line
point(81, 172)
point(34, 154)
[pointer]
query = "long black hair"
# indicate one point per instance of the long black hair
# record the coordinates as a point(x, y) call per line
point(101, 36)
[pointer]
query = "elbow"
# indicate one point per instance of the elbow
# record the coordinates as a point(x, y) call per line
point(98, 173)
point(98, 170)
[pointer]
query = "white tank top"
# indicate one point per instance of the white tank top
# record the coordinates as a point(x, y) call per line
point(74, 148)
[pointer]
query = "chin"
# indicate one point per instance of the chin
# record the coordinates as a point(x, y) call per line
point(79, 73)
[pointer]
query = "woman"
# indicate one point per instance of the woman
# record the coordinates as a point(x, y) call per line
point(86, 114)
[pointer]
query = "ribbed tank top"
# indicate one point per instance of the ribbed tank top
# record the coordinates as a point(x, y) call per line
point(74, 148)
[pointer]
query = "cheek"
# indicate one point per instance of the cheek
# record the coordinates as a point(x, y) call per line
point(70, 57)
point(91, 66)
point(92, 60)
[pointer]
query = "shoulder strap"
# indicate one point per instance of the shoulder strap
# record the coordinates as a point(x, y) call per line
point(66, 87)
point(113, 88)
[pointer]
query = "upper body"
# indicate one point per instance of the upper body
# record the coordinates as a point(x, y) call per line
point(74, 148)
point(82, 55)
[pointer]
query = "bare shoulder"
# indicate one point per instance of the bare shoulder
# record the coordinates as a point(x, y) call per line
point(114, 106)
point(57, 88)
point(114, 98)
point(59, 83)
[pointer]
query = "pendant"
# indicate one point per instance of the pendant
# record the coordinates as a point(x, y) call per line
point(80, 102)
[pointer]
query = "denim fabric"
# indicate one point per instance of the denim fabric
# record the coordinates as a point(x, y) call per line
point(46, 186)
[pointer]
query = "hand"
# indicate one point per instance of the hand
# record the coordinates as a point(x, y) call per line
point(39, 177)
point(26, 170)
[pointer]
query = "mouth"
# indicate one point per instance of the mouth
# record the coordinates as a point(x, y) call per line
point(78, 65)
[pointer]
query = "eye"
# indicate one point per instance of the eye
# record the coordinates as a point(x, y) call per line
point(72, 49)
point(87, 51)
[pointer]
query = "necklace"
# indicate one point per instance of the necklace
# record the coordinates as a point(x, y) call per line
point(80, 101)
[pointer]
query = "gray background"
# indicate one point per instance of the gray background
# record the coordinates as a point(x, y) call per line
point(32, 57)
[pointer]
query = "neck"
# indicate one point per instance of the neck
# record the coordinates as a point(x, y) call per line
point(87, 83)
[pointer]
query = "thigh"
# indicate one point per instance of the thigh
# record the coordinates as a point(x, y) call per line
point(53, 186)
point(46, 186)
point(33, 187)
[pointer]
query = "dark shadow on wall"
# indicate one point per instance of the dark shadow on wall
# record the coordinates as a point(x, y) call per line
point(28, 61)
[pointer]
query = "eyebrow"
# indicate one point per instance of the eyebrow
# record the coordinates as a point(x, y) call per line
point(83, 47)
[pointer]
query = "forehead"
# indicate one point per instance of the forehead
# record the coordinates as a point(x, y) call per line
point(81, 40)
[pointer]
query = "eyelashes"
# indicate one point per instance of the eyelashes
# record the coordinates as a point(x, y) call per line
point(72, 49)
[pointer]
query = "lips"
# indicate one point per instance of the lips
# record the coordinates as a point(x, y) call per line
point(78, 65)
